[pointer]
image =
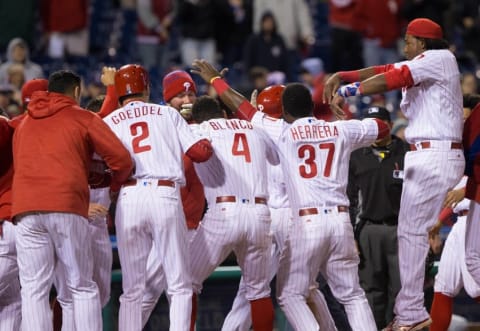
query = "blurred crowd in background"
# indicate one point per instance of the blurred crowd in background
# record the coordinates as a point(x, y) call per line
point(262, 42)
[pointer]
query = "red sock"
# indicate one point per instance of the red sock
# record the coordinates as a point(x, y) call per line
point(262, 314)
point(441, 312)
point(194, 312)
point(57, 315)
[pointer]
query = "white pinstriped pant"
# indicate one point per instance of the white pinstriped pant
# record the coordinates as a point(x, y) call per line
point(472, 242)
point(156, 282)
point(243, 228)
point(239, 318)
point(102, 272)
point(452, 273)
point(44, 239)
point(428, 175)
point(147, 214)
point(321, 243)
point(10, 300)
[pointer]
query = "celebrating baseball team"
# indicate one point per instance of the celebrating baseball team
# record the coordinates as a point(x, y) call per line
point(267, 182)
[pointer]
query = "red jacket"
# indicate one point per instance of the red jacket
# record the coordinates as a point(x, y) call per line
point(471, 145)
point(52, 151)
point(6, 169)
point(381, 20)
point(64, 15)
point(343, 14)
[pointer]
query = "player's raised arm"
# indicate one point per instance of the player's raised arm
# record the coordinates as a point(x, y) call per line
point(111, 99)
point(236, 102)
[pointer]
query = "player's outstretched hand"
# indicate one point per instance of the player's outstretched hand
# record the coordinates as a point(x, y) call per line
point(337, 107)
point(108, 76)
point(454, 197)
point(205, 70)
point(96, 210)
point(331, 86)
point(435, 230)
point(253, 98)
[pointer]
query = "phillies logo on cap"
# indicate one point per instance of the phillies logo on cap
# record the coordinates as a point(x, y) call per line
point(187, 86)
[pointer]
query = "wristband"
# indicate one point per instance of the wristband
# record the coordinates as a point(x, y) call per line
point(350, 90)
point(214, 78)
point(220, 85)
point(349, 76)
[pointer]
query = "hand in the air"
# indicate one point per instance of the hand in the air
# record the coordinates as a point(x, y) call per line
point(336, 107)
point(108, 76)
point(205, 70)
point(330, 89)
point(454, 197)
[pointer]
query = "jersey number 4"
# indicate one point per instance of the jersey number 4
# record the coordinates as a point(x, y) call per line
point(139, 131)
point(240, 146)
point(308, 153)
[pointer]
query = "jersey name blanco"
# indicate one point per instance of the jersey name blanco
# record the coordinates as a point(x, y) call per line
point(238, 166)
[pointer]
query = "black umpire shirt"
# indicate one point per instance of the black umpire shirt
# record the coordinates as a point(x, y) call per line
point(375, 182)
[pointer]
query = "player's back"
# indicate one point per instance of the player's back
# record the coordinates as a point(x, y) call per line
point(315, 156)
point(155, 137)
point(239, 164)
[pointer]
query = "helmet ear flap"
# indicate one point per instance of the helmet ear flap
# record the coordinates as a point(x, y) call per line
point(269, 100)
point(131, 79)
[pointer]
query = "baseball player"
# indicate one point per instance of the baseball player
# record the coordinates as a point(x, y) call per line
point(148, 207)
point(320, 221)
point(432, 103)
point(10, 300)
point(269, 102)
point(179, 92)
point(97, 216)
point(471, 142)
point(238, 218)
point(452, 273)
point(50, 199)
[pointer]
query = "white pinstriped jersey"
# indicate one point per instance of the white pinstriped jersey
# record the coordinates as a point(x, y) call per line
point(239, 163)
point(315, 154)
point(277, 190)
point(434, 104)
point(156, 136)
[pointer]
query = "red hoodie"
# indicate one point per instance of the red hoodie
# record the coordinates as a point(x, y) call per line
point(52, 151)
point(6, 169)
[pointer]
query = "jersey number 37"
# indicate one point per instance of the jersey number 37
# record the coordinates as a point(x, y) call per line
point(308, 153)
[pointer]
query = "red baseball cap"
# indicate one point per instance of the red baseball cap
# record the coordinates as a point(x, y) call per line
point(176, 82)
point(36, 84)
point(424, 28)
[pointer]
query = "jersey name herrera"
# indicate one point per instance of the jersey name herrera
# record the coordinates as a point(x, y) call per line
point(313, 131)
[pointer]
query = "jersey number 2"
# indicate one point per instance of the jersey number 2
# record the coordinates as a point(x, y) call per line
point(140, 132)
point(240, 146)
point(309, 169)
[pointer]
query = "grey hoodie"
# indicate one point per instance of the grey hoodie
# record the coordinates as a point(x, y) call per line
point(32, 70)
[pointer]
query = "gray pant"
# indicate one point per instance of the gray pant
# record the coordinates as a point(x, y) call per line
point(379, 270)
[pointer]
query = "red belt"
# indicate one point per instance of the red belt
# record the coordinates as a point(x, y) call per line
point(427, 144)
point(232, 198)
point(314, 211)
point(160, 182)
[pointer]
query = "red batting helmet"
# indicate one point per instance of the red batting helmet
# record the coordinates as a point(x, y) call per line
point(269, 101)
point(131, 79)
